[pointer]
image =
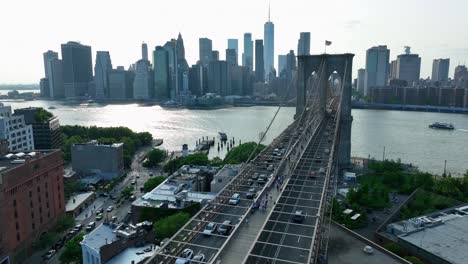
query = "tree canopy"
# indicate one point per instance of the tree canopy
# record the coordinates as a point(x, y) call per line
point(168, 226)
point(152, 183)
point(72, 250)
point(242, 152)
point(154, 157)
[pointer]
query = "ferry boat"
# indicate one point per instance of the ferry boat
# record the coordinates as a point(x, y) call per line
point(438, 125)
point(222, 136)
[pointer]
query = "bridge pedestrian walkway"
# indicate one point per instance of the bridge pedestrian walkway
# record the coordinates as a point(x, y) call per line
point(240, 244)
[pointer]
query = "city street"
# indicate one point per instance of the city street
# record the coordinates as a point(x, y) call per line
point(138, 173)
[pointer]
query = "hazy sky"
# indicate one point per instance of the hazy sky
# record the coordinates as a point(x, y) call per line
point(433, 28)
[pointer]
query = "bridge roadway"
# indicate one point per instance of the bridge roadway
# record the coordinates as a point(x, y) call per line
point(217, 211)
point(282, 240)
point(303, 144)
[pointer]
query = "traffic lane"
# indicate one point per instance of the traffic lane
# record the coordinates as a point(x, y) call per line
point(200, 239)
point(285, 253)
point(180, 246)
point(291, 240)
point(289, 228)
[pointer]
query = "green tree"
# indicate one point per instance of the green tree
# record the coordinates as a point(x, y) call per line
point(42, 115)
point(216, 162)
point(168, 226)
point(63, 223)
point(71, 186)
point(127, 192)
point(154, 157)
point(242, 152)
point(394, 248)
point(414, 260)
point(198, 159)
point(153, 182)
point(72, 250)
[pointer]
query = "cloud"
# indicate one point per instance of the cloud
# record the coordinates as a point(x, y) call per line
point(353, 23)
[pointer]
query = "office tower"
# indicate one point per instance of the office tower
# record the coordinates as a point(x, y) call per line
point(48, 55)
point(77, 69)
point(205, 50)
point(44, 87)
point(46, 130)
point(170, 47)
point(361, 80)
point(440, 70)
point(234, 44)
point(460, 72)
point(259, 63)
point(247, 56)
point(408, 67)
point(182, 66)
point(215, 55)
point(393, 70)
point(121, 84)
point(231, 57)
point(196, 74)
point(282, 61)
point(377, 59)
point(291, 64)
point(303, 45)
point(101, 74)
point(53, 74)
point(14, 129)
point(142, 82)
point(31, 201)
point(269, 48)
point(161, 73)
point(144, 51)
point(218, 77)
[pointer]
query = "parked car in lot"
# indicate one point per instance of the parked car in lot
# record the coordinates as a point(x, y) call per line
point(114, 218)
point(78, 227)
point(185, 257)
point(210, 228)
point(235, 199)
point(225, 228)
point(254, 176)
point(262, 179)
point(110, 208)
point(99, 211)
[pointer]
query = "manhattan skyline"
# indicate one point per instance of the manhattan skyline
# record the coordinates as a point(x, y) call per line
point(121, 27)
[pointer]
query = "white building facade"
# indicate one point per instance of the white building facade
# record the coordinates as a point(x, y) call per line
point(13, 128)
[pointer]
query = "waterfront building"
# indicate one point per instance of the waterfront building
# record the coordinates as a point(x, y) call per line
point(436, 237)
point(142, 84)
point(218, 78)
point(269, 48)
point(46, 130)
point(377, 59)
point(77, 69)
point(102, 160)
point(393, 70)
point(161, 73)
point(247, 56)
point(259, 63)
point(14, 129)
point(121, 84)
point(44, 88)
point(303, 45)
point(54, 75)
point(408, 67)
point(361, 80)
point(205, 50)
point(291, 65)
point(231, 57)
point(440, 70)
point(282, 61)
point(171, 52)
point(461, 76)
point(196, 78)
point(234, 44)
point(31, 200)
point(101, 71)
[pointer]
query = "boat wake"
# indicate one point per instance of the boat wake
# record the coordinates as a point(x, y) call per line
point(464, 130)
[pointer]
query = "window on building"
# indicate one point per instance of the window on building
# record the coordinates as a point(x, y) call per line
point(32, 215)
point(18, 236)
point(38, 189)
point(16, 214)
point(17, 226)
point(14, 202)
point(33, 226)
point(48, 214)
point(40, 219)
point(40, 210)
point(30, 194)
point(47, 204)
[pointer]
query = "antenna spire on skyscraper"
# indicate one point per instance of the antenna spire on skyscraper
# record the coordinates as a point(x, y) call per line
point(269, 3)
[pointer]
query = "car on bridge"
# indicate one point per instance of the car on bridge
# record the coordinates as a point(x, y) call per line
point(185, 257)
point(298, 216)
point(225, 228)
point(199, 257)
point(251, 194)
point(210, 228)
point(235, 199)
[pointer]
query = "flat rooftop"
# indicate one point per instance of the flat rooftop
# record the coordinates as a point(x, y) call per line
point(344, 248)
point(135, 254)
point(102, 235)
point(76, 200)
point(15, 159)
point(441, 233)
point(94, 143)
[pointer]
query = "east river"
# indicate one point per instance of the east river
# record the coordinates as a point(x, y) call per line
point(404, 135)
